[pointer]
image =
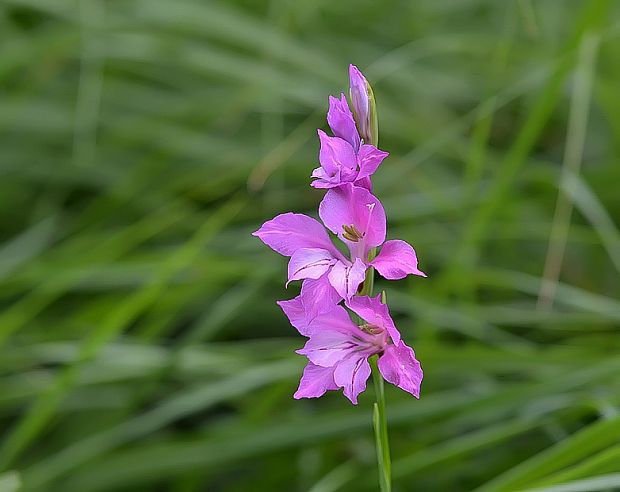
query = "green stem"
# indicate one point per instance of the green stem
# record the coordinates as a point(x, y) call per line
point(379, 418)
point(379, 421)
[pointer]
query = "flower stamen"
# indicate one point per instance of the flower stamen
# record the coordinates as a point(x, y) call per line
point(371, 329)
point(352, 233)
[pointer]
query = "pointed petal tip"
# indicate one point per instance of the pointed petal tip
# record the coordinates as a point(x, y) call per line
point(351, 399)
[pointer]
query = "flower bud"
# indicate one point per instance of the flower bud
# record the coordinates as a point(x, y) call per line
point(364, 106)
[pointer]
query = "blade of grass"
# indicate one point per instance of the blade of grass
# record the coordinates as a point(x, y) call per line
point(40, 412)
point(591, 439)
point(573, 155)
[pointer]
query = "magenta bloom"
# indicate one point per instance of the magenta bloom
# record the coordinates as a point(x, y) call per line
point(338, 349)
point(359, 90)
point(358, 219)
point(344, 158)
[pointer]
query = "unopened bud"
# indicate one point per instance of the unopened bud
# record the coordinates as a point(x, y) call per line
point(364, 106)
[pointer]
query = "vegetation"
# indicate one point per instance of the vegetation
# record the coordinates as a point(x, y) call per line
point(142, 141)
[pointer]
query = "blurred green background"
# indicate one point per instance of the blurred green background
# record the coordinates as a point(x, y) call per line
point(142, 141)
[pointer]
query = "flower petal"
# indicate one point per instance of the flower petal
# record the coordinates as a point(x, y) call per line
point(337, 319)
point(309, 263)
point(364, 183)
point(396, 260)
point(318, 296)
point(323, 180)
point(336, 155)
point(341, 121)
point(327, 348)
point(296, 314)
point(351, 374)
point(352, 205)
point(369, 158)
point(399, 366)
point(289, 232)
point(347, 278)
point(316, 380)
point(375, 313)
point(333, 336)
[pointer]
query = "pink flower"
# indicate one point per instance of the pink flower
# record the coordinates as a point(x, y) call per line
point(312, 254)
point(358, 218)
point(338, 350)
point(344, 158)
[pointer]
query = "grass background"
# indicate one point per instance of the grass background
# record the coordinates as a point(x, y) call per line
point(142, 141)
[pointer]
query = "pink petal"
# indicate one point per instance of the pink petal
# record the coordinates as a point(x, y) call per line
point(336, 319)
point(336, 155)
point(364, 183)
point(352, 205)
point(309, 263)
point(318, 296)
point(316, 380)
point(289, 232)
point(369, 158)
point(375, 313)
point(296, 314)
point(399, 366)
point(346, 278)
point(396, 260)
point(351, 374)
point(341, 121)
point(333, 336)
point(323, 180)
point(327, 348)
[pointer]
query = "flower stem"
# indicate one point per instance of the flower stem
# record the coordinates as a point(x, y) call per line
point(379, 418)
point(369, 281)
point(379, 421)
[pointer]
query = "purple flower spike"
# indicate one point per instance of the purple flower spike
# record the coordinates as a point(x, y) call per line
point(338, 351)
point(343, 158)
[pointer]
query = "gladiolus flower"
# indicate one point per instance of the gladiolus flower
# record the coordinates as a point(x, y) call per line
point(358, 219)
point(344, 158)
point(338, 350)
